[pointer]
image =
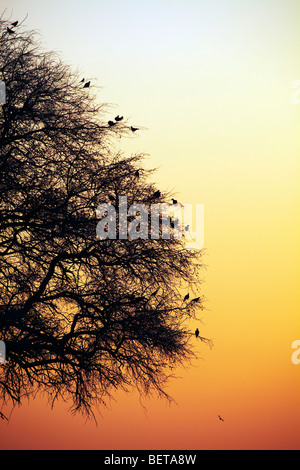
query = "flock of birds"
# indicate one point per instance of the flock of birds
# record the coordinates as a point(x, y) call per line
point(156, 194)
point(10, 30)
point(86, 84)
point(117, 118)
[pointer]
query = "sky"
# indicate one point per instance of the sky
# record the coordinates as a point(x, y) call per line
point(210, 82)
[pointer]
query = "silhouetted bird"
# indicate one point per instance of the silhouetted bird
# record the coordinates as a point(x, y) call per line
point(118, 118)
point(157, 194)
point(111, 123)
point(196, 299)
point(186, 297)
point(10, 31)
point(111, 198)
point(174, 201)
point(197, 333)
point(87, 84)
point(15, 23)
point(186, 228)
point(133, 129)
point(137, 173)
point(81, 81)
point(2, 416)
point(221, 419)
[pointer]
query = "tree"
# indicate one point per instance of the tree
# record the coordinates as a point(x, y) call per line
point(79, 316)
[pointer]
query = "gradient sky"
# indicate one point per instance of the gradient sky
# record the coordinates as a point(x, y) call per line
point(211, 81)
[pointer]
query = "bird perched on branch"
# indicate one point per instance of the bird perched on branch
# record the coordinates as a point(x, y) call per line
point(196, 299)
point(81, 81)
point(87, 84)
point(15, 23)
point(111, 123)
point(10, 31)
point(197, 333)
point(137, 173)
point(186, 297)
point(133, 129)
point(118, 118)
point(174, 201)
point(157, 194)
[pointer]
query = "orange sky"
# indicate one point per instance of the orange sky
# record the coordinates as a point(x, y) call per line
point(212, 83)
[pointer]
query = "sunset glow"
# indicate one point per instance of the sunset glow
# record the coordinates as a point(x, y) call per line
point(210, 86)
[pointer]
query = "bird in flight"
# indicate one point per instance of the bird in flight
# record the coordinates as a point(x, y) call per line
point(197, 333)
point(10, 31)
point(221, 419)
point(118, 118)
point(133, 129)
point(15, 23)
point(87, 84)
point(186, 297)
point(2, 416)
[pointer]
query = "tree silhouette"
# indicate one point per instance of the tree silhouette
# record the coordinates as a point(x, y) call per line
point(80, 316)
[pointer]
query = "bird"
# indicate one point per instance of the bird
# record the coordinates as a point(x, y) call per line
point(137, 173)
point(15, 23)
point(197, 333)
point(111, 123)
point(196, 299)
point(81, 81)
point(186, 228)
point(157, 194)
point(10, 31)
point(174, 201)
point(111, 198)
point(133, 129)
point(118, 118)
point(2, 416)
point(87, 84)
point(186, 297)
point(221, 419)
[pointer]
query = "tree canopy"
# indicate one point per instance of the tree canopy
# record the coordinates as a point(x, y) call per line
point(80, 316)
